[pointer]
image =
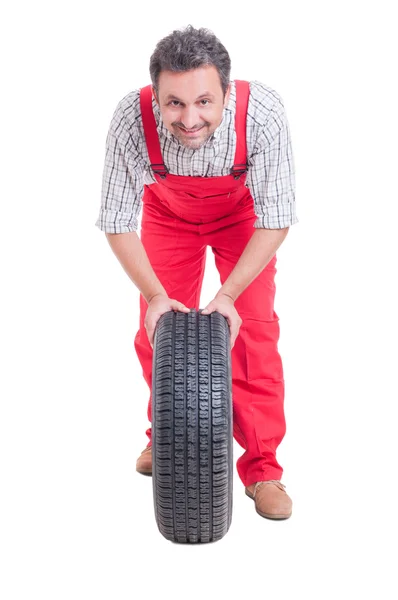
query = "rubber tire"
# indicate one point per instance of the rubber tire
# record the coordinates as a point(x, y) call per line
point(192, 439)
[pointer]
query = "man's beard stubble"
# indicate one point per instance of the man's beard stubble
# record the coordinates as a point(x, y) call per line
point(194, 143)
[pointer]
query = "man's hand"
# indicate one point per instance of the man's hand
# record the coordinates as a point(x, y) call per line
point(157, 306)
point(224, 304)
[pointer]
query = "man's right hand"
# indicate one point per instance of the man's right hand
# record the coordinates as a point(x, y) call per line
point(157, 306)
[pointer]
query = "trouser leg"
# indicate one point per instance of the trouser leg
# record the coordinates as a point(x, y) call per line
point(257, 372)
point(178, 258)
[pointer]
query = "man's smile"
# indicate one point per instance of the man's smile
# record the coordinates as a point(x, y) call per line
point(190, 132)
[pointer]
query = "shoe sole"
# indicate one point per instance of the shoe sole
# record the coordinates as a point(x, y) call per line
point(265, 515)
point(147, 473)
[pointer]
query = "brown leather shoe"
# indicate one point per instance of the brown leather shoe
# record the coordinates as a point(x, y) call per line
point(144, 462)
point(271, 500)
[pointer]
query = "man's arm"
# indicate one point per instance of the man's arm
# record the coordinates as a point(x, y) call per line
point(271, 181)
point(131, 254)
point(122, 190)
point(258, 252)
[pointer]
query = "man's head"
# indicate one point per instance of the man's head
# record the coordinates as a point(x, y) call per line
point(190, 72)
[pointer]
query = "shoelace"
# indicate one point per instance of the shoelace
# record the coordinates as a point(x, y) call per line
point(278, 483)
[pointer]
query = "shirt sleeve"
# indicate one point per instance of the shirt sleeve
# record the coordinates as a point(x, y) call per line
point(122, 180)
point(271, 173)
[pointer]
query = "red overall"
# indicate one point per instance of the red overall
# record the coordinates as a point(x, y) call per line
point(181, 217)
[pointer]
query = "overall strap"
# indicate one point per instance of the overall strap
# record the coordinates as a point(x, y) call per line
point(242, 101)
point(151, 133)
point(152, 137)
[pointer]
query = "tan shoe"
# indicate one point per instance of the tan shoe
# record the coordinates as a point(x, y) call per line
point(144, 462)
point(271, 500)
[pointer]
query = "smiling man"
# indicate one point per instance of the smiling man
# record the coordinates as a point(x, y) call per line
point(209, 160)
point(189, 113)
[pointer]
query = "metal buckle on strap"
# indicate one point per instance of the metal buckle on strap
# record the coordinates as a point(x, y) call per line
point(238, 170)
point(162, 171)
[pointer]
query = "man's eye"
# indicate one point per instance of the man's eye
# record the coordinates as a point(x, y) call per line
point(174, 102)
point(205, 101)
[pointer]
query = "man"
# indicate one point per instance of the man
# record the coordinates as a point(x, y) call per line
point(211, 162)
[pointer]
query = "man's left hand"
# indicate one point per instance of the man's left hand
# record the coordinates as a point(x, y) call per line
point(224, 304)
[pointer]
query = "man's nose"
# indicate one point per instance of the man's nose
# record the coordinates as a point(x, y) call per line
point(189, 117)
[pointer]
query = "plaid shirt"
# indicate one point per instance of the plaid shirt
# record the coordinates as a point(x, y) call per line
point(270, 175)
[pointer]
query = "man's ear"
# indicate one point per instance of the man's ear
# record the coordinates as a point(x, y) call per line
point(155, 96)
point(227, 94)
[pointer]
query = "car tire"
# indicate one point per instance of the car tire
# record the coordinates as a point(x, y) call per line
point(192, 439)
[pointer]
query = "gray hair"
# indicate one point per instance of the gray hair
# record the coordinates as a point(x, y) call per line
point(187, 49)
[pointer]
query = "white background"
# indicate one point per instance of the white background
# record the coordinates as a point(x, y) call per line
point(76, 520)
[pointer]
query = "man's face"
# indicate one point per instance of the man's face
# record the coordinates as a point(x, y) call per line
point(191, 104)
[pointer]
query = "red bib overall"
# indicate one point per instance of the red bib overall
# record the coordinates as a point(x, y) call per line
point(181, 217)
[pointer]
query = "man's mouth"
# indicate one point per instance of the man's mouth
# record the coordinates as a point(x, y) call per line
point(191, 131)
